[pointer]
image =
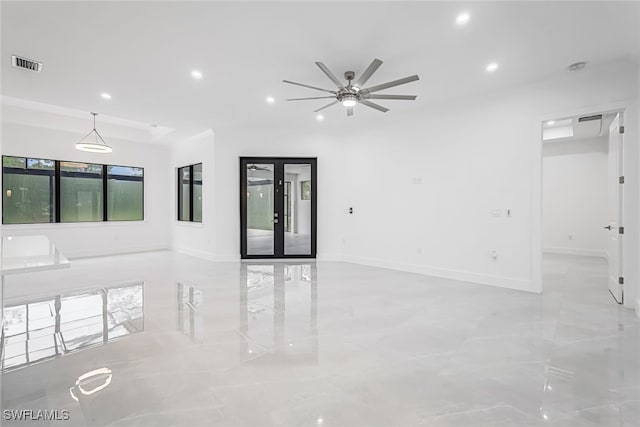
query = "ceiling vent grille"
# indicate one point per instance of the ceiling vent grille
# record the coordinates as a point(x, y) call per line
point(27, 64)
point(590, 118)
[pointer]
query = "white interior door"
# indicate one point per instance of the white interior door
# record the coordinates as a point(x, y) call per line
point(614, 208)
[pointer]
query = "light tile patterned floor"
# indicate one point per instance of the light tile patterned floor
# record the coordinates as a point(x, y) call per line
point(329, 345)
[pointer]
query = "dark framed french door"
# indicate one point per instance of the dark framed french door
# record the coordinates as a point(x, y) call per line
point(278, 207)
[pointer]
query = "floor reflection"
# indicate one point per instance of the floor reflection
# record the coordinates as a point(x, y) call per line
point(41, 329)
point(279, 313)
point(190, 319)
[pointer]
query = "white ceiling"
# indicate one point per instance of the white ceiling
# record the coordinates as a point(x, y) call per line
point(142, 53)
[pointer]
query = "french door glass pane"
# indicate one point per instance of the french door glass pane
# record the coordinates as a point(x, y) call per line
point(297, 236)
point(260, 204)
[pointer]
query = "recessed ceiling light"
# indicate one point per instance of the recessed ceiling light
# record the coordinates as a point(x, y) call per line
point(463, 18)
point(105, 95)
point(492, 67)
point(196, 74)
point(576, 66)
point(319, 117)
point(270, 100)
point(551, 122)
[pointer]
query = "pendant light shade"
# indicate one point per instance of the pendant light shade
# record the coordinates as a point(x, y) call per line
point(93, 142)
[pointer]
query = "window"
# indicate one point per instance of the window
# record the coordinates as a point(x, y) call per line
point(27, 190)
point(184, 193)
point(190, 193)
point(41, 190)
point(81, 191)
point(125, 193)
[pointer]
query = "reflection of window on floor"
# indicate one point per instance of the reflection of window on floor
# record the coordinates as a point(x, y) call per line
point(189, 314)
point(49, 327)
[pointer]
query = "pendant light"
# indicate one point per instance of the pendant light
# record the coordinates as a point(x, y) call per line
point(93, 144)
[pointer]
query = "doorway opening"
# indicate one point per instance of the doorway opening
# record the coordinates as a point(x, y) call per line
point(278, 207)
point(582, 204)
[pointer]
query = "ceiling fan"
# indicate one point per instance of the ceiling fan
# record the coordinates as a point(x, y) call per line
point(353, 93)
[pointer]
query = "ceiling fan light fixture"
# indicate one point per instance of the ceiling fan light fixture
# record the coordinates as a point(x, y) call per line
point(356, 92)
point(93, 142)
point(349, 100)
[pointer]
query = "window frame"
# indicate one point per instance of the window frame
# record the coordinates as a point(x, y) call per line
point(53, 187)
point(179, 192)
point(56, 174)
point(105, 190)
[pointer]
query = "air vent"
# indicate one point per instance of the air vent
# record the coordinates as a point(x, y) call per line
point(27, 64)
point(590, 118)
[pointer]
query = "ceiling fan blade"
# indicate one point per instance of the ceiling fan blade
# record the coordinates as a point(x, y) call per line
point(403, 97)
point(329, 74)
point(310, 87)
point(373, 105)
point(315, 97)
point(349, 111)
point(368, 72)
point(326, 106)
point(391, 84)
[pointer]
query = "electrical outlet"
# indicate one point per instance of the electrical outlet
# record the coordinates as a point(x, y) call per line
point(494, 255)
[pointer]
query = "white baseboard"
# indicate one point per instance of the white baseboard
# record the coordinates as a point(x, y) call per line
point(576, 251)
point(329, 258)
point(109, 252)
point(465, 276)
point(638, 307)
point(209, 256)
point(226, 258)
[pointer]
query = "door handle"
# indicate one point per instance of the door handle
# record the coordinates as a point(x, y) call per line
point(608, 227)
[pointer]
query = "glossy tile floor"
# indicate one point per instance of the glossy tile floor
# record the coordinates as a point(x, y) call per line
point(163, 339)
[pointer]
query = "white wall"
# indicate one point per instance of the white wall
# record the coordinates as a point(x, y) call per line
point(193, 238)
point(444, 173)
point(574, 195)
point(92, 239)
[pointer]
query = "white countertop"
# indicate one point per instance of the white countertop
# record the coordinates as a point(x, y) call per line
point(26, 254)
